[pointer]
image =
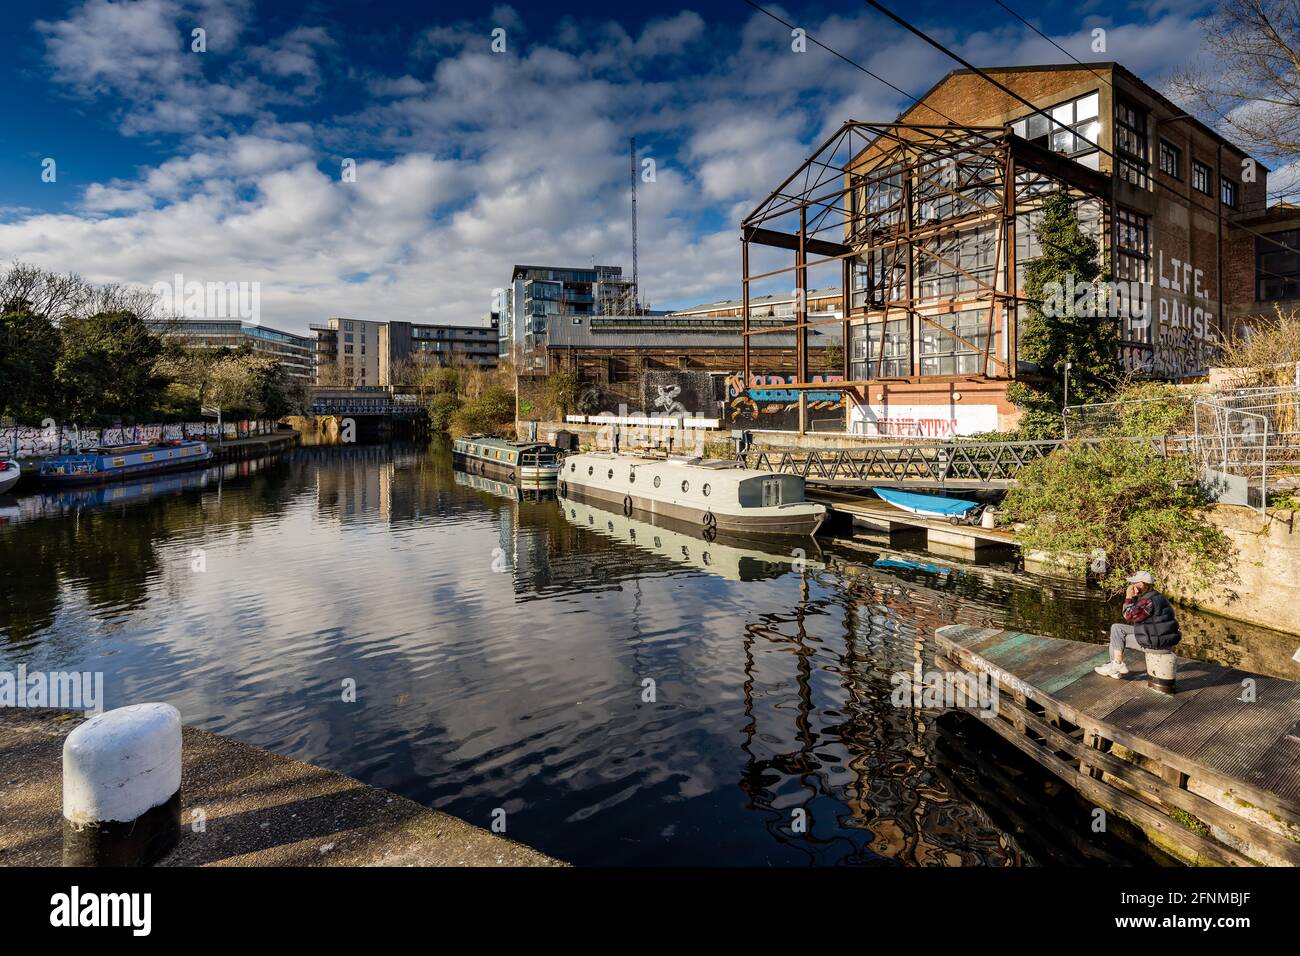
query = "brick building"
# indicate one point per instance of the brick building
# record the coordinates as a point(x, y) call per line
point(928, 223)
point(691, 362)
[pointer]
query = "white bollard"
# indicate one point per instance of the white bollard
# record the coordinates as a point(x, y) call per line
point(1162, 667)
point(121, 787)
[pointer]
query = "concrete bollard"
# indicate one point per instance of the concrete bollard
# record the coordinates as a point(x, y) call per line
point(1161, 669)
point(122, 787)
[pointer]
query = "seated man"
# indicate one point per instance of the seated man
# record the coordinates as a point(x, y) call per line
point(1150, 624)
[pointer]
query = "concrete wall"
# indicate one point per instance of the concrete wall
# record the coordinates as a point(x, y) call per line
point(1267, 591)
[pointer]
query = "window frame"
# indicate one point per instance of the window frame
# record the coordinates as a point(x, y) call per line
point(1199, 167)
point(1176, 155)
point(1132, 166)
point(1229, 187)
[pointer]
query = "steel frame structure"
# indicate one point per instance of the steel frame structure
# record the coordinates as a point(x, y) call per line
point(875, 193)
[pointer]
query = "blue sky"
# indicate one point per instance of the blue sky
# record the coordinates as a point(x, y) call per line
point(225, 165)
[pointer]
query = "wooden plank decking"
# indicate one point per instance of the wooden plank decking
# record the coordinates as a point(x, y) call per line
point(1209, 750)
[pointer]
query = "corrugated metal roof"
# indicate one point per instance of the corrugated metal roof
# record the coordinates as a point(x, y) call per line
point(760, 300)
point(562, 332)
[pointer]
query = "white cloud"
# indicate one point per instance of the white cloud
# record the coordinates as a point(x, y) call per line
point(468, 161)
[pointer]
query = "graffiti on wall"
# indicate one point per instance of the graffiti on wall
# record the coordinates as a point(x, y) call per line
point(1171, 330)
point(666, 393)
point(765, 402)
point(30, 442)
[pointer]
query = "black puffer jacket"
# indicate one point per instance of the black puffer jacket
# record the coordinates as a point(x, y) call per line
point(1159, 631)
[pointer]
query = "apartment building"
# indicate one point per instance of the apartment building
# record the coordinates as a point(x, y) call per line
point(367, 353)
point(294, 352)
point(538, 293)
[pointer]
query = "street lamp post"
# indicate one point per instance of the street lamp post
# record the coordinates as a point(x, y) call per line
point(1065, 403)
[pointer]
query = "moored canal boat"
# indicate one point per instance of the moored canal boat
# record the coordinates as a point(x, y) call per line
point(10, 472)
point(511, 460)
point(719, 495)
point(735, 557)
point(125, 461)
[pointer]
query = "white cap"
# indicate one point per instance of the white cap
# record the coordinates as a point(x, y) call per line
point(1141, 577)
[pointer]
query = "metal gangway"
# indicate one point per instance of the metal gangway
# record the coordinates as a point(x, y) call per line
point(948, 464)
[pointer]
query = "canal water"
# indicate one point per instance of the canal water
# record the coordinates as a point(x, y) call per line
point(625, 694)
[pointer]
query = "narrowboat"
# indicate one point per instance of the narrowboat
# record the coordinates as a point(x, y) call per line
point(511, 490)
point(717, 495)
point(124, 461)
point(511, 460)
point(733, 557)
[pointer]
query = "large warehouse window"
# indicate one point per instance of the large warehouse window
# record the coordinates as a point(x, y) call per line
point(1133, 246)
point(865, 353)
point(942, 353)
point(1074, 129)
point(1277, 270)
point(973, 257)
point(1131, 146)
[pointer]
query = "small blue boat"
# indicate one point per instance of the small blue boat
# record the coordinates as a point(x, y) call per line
point(127, 461)
point(928, 506)
point(903, 565)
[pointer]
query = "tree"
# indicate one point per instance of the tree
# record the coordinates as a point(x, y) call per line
point(246, 384)
point(1249, 86)
point(29, 346)
point(442, 409)
point(1068, 319)
point(105, 369)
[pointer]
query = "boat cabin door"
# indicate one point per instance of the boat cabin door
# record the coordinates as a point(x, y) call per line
point(771, 492)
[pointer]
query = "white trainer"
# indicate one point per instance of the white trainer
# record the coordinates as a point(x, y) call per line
point(1113, 669)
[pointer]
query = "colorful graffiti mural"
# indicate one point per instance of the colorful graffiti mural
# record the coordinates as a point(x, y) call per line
point(763, 402)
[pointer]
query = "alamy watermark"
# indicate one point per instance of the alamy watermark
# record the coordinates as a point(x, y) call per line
point(210, 300)
point(69, 690)
point(945, 689)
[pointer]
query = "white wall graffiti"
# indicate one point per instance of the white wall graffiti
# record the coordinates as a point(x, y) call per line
point(1174, 331)
point(922, 421)
point(29, 442)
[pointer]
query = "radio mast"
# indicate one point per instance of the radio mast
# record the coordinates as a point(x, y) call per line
point(636, 288)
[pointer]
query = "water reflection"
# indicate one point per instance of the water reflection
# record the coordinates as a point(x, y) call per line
point(501, 644)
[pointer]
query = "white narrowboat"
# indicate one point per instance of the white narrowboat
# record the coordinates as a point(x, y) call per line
point(715, 494)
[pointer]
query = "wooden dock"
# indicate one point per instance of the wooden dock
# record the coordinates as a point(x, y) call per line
point(1211, 773)
point(941, 536)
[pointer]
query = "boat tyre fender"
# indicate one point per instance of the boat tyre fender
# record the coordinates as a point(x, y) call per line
point(564, 488)
point(710, 532)
point(510, 476)
point(954, 519)
point(710, 521)
point(627, 505)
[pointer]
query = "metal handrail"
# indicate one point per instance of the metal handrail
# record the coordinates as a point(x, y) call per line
point(938, 462)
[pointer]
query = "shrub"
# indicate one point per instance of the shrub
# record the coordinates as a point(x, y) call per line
point(1153, 408)
point(1119, 496)
point(492, 413)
